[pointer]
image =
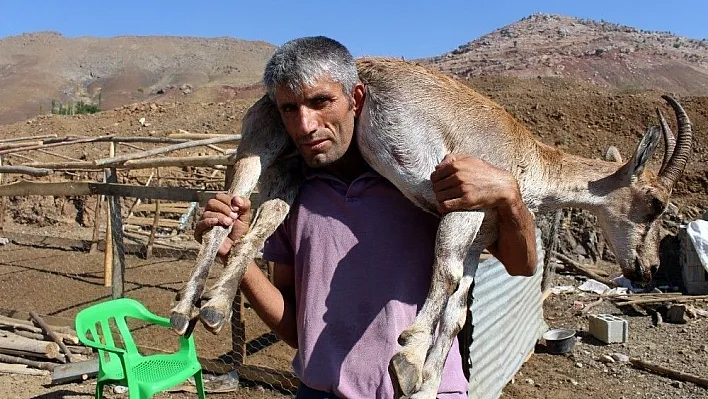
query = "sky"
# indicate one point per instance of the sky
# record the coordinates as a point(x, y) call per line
point(411, 29)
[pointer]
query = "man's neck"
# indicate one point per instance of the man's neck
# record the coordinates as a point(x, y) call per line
point(350, 166)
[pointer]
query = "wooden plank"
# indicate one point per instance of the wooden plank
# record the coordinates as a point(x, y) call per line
point(164, 207)
point(78, 371)
point(67, 189)
point(148, 221)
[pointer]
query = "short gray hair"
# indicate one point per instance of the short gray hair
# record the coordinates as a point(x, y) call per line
point(301, 62)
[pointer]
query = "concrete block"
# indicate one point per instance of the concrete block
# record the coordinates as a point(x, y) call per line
point(608, 328)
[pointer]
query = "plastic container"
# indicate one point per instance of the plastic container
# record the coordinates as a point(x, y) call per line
point(559, 340)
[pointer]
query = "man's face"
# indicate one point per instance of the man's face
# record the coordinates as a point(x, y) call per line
point(319, 119)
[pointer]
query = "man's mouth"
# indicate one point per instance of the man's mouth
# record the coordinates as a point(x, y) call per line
point(314, 144)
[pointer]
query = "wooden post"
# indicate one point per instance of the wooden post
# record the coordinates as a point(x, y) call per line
point(118, 263)
point(108, 254)
point(3, 200)
point(96, 225)
point(238, 327)
point(238, 331)
point(155, 221)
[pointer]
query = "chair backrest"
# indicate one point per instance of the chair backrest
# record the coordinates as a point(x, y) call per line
point(93, 327)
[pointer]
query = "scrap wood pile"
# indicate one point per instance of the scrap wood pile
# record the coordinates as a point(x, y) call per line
point(35, 347)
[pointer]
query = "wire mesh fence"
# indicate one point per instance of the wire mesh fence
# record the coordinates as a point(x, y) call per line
point(59, 259)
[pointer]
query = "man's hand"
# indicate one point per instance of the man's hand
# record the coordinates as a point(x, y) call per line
point(465, 183)
point(225, 211)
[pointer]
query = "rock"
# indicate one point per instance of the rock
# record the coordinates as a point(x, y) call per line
point(613, 154)
point(579, 365)
point(676, 314)
point(677, 384)
point(529, 381)
point(620, 357)
point(606, 359)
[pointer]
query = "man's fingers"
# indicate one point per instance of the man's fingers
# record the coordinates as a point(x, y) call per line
point(449, 205)
point(208, 221)
point(448, 194)
point(446, 183)
point(447, 160)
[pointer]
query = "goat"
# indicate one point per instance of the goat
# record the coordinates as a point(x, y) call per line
point(412, 118)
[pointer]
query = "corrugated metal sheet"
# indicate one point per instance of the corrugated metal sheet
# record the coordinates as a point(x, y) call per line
point(507, 320)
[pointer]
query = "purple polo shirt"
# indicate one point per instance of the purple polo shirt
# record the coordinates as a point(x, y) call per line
point(363, 258)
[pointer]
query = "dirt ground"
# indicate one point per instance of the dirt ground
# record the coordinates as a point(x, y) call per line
point(57, 282)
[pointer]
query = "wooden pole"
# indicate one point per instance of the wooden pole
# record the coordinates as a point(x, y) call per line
point(155, 221)
point(31, 363)
point(27, 138)
point(671, 373)
point(108, 254)
point(118, 285)
point(583, 270)
point(48, 331)
point(96, 225)
point(139, 200)
point(183, 134)
point(117, 160)
point(61, 142)
point(25, 170)
point(11, 344)
point(3, 201)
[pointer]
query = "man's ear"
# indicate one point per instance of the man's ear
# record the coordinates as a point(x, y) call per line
point(358, 94)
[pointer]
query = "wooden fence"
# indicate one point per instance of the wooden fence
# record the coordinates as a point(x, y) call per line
point(112, 190)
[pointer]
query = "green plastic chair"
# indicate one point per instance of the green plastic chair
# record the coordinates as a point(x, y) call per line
point(143, 375)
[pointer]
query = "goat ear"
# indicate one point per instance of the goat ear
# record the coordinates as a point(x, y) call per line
point(644, 151)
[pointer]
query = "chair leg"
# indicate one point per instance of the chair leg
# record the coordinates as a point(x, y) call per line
point(199, 384)
point(99, 390)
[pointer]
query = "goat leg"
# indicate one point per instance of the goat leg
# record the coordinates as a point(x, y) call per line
point(451, 322)
point(280, 184)
point(189, 295)
point(246, 173)
point(456, 233)
point(215, 311)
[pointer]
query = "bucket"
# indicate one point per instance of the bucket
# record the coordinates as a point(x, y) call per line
point(559, 340)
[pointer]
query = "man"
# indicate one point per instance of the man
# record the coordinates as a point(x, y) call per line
point(353, 258)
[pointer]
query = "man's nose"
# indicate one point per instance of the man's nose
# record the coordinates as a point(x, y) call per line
point(308, 121)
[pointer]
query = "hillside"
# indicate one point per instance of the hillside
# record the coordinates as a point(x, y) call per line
point(37, 68)
point(600, 53)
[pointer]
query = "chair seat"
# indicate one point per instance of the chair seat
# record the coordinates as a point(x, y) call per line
point(155, 369)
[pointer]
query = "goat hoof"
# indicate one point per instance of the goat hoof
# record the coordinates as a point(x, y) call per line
point(180, 323)
point(212, 318)
point(406, 374)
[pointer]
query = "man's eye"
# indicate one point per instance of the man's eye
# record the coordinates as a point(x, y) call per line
point(320, 101)
point(287, 108)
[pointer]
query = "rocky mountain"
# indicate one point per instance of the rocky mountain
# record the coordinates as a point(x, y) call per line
point(37, 68)
point(601, 53)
